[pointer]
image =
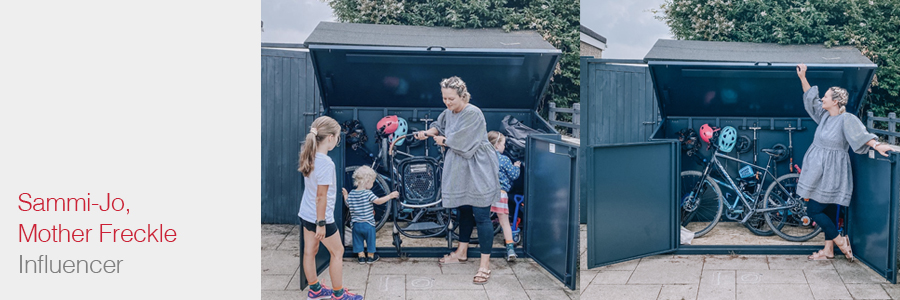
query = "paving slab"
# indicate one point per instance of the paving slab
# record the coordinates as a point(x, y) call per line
point(830, 291)
point(612, 277)
point(585, 278)
point(547, 294)
point(893, 290)
point(622, 266)
point(386, 287)
point(867, 291)
point(622, 292)
point(396, 266)
point(283, 295)
point(856, 272)
point(820, 277)
point(668, 270)
point(498, 267)
point(440, 282)
point(766, 277)
point(275, 282)
point(797, 262)
point(773, 292)
point(446, 294)
point(276, 262)
point(533, 277)
point(505, 287)
point(271, 241)
point(717, 285)
point(678, 292)
point(735, 262)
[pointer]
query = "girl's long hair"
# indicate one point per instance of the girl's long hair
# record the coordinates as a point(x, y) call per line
point(321, 128)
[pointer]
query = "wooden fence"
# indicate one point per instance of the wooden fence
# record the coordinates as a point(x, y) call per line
point(891, 120)
point(576, 117)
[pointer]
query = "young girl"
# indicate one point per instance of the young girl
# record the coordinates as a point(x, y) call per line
point(509, 172)
point(317, 208)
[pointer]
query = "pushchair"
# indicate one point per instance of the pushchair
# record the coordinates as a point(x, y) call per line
point(418, 180)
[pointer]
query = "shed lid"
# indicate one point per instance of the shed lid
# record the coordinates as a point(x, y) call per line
point(730, 79)
point(370, 65)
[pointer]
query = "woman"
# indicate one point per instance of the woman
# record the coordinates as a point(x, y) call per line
point(470, 174)
point(826, 177)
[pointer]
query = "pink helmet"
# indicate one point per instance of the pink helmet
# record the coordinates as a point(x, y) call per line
point(387, 125)
point(706, 132)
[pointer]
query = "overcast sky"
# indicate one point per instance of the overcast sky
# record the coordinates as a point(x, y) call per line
point(628, 26)
point(291, 21)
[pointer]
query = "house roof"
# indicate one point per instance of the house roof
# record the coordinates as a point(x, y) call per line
point(682, 50)
point(592, 34)
point(330, 33)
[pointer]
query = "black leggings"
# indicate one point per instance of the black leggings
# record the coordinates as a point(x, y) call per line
point(815, 210)
point(480, 216)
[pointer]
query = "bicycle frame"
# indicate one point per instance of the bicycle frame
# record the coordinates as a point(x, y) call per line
point(744, 198)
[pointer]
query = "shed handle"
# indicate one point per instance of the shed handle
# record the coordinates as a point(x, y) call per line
point(442, 48)
point(765, 62)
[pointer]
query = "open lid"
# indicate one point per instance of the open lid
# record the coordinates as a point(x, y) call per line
point(370, 65)
point(731, 79)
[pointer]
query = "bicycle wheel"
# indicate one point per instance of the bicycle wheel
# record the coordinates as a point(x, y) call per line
point(380, 188)
point(757, 223)
point(787, 222)
point(699, 212)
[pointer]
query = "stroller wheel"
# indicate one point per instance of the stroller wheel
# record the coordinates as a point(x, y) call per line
point(397, 243)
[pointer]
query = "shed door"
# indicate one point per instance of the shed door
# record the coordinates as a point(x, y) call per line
point(872, 220)
point(632, 201)
point(620, 105)
point(551, 207)
point(623, 106)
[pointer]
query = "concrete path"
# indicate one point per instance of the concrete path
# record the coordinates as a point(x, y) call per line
point(415, 278)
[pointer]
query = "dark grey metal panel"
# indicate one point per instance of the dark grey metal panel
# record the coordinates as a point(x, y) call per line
point(872, 223)
point(618, 105)
point(289, 100)
point(330, 33)
point(551, 206)
point(633, 210)
point(685, 50)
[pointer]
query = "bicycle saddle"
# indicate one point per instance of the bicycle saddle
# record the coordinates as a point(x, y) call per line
point(773, 152)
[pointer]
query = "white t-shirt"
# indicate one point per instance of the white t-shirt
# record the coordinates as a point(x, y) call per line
point(322, 174)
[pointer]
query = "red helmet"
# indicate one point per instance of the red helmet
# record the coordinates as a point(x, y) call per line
point(387, 125)
point(706, 132)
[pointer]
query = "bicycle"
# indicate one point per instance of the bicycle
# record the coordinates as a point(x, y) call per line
point(781, 211)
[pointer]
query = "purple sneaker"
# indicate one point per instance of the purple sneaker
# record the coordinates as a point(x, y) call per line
point(347, 296)
point(324, 293)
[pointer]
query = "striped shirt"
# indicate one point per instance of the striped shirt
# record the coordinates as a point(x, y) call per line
point(361, 208)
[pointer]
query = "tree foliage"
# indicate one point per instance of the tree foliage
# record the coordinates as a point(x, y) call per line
point(555, 20)
point(872, 26)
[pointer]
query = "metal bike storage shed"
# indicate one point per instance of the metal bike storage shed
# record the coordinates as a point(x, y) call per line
point(632, 201)
point(366, 72)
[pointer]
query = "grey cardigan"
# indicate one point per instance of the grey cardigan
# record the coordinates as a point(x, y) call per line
point(471, 169)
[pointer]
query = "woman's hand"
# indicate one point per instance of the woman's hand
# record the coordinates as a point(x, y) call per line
point(320, 232)
point(517, 164)
point(883, 149)
point(440, 140)
point(421, 135)
point(801, 71)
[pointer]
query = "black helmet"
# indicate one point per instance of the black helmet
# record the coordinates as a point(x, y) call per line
point(689, 141)
point(355, 133)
